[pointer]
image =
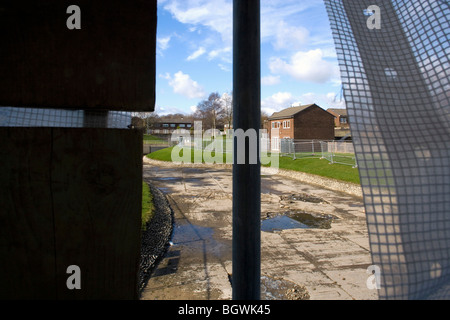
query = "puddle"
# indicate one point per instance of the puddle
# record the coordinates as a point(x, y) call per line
point(167, 179)
point(185, 232)
point(296, 220)
point(281, 223)
point(164, 190)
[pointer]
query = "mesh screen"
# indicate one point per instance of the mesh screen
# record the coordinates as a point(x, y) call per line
point(34, 117)
point(396, 86)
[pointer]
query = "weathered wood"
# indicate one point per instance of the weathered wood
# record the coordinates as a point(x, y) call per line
point(27, 247)
point(72, 197)
point(97, 181)
point(107, 64)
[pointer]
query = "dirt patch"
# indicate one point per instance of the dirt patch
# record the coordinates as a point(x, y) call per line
point(302, 197)
point(281, 289)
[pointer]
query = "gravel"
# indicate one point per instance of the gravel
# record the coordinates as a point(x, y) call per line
point(155, 239)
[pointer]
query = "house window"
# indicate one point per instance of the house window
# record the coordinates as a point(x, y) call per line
point(275, 144)
point(172, 125)
point(343, 120)
point(182, 126)
point(165, 125)
point(276, 125)
point(287, 124)
point(189, 125)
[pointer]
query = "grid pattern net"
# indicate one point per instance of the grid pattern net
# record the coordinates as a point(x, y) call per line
point(396, 86)
point(37, 117)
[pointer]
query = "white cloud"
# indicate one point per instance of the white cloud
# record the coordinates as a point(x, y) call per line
point(283, 100)
point(274, 11)
point(163, 43)
point(184, 85)
point(270, 80)
point(305, 66)
point(162, 111)
point(277, 102)
point(200, 51)
point(223, 67)
point(326, 101)
point(289, 37)
point(224, 54)
point(213, 14)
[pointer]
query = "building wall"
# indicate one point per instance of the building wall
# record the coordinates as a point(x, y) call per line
point(314, 123)
point(337, 120)
point(281, 132)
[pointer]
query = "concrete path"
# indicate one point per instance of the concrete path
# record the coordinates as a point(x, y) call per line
point(330, 263)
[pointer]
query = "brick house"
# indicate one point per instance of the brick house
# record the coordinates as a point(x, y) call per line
point(341, 124)
point(308, 122)
point(341, 120)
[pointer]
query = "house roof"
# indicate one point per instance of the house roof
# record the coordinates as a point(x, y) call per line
point(339, 112)
point(290, 112)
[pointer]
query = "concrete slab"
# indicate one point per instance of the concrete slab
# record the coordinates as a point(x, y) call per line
point(330, 263)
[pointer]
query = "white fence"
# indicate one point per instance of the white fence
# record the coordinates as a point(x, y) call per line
point(341, 152)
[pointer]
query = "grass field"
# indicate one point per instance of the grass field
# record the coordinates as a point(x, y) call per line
point(147, 205)
point(149, 139)
point(320, 167)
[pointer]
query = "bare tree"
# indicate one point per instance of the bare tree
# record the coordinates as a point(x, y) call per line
point(227, 102)
point(211, 112)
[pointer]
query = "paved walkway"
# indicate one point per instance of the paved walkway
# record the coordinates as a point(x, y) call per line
point(330, 263)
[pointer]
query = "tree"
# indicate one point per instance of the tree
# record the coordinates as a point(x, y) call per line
point(148, 119)
point(264, 117)
point(211, 112)
point(227, 102)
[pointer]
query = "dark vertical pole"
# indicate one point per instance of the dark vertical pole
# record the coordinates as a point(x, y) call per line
point(95, 119)
point(246, 177)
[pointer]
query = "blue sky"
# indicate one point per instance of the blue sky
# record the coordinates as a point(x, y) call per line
point(194, 54)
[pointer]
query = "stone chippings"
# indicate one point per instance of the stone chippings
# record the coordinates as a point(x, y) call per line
point(155, 239)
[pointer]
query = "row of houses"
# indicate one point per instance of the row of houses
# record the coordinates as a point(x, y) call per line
point(307, 122)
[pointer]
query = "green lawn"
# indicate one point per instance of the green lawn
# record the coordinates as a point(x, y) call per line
point(149, 139)
point(147, 205)
point(320, 167)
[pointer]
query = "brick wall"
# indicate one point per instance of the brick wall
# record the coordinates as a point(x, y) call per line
point(282, 132)
point(314, 123)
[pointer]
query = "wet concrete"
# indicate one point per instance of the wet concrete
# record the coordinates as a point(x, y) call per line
point(296, 219)
point(323, 255)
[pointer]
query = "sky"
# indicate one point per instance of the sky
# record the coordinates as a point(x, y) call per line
point(194, 54)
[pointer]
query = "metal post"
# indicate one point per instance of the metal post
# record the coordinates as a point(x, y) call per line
point(293, 143)
point(246, 276)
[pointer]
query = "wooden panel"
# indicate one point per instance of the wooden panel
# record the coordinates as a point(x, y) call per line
point(107, 64)
point(70, 197)
point(97, 181)
point(27, 248)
